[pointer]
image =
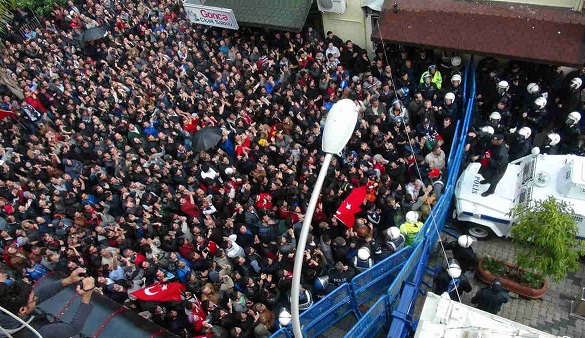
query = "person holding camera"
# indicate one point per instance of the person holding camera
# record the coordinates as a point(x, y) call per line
point(21, 299)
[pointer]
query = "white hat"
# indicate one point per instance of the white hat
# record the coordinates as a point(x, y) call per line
point(233, 237)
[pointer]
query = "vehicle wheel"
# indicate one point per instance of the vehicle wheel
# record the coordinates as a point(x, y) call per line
point(479, 232)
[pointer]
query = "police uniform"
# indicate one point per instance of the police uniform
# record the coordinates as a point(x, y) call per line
point(496, 165)
point(410, 231)
point(362, 264)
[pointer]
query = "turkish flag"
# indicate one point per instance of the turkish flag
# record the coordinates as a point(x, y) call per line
point(351, 206)
point(161, 292)
point(198, 314)
point(7, 113)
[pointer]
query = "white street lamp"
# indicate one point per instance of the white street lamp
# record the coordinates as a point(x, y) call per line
point(338, 129)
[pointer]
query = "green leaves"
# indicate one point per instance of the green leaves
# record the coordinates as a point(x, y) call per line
point(545, 232)
point(6, 7)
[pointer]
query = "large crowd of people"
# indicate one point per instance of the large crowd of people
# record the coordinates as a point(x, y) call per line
point(99, 169)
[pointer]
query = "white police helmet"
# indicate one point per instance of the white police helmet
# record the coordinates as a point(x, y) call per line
point(532, 88)
point(411, 217)
point(573, 118)
point(525, 132)
point(284, 318)
point(554, 139)
point(393, 233)
point(495, 117)
point(454, 270)
point(540, 102)
point(576, 83)
point(465, 241)
point(504, 85)
point(363, 253)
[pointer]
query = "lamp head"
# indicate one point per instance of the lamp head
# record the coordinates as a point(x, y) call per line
point(339, 126)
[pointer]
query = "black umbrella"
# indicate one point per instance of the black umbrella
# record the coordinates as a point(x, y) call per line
point(206, 138)
point(94, 33)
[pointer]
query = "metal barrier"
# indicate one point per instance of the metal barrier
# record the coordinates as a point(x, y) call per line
point(454, 144)
point(374, 281)
point(372, 322)
point(394, 289)
point(397, 305)
point(282, 333)
point(328, 311)
point(33, 25)
point(401, 318)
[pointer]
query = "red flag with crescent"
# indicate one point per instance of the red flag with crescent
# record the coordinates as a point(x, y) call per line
point(351, 206)
point(161, 292)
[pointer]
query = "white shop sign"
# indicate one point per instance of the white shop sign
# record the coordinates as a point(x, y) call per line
point(211, 16)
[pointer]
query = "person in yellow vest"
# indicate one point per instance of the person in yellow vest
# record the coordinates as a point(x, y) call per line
point(436, 77)
point(411, 227)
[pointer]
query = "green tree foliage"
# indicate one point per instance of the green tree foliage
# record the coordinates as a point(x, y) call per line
point(545, 232)
point(6, 8)
point(38, 7)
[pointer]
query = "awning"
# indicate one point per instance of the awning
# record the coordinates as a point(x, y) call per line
point(542, 34)
point(287, 15)
point(373, 4)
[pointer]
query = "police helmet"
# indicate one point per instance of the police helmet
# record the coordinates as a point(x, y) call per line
point(553, 139)
point(525, 132)
point(322, 282)
point(393, 233)
point(574, 117)
point(540, 102)
point(363, 253)
point(411, 217)
point(465, 241)
point(456, 78)
point(532, 88)
point(284, 317)
point(454, 270)
point(495, 117)
point(503, 85)
point(576, 83)
point(450, 96)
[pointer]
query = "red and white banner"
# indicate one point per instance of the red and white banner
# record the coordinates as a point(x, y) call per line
point(351, 206)
point(161, 292)
point(198, 314)
point(7, 113)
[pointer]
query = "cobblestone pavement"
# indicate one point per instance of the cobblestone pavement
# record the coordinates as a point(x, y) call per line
point(550, 314)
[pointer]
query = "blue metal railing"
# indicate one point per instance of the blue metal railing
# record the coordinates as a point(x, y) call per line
point(401, 318)
point(397, 279)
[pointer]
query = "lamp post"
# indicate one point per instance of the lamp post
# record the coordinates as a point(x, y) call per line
point(338, 129)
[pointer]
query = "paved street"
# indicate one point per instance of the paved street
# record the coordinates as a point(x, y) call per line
point(551, 314)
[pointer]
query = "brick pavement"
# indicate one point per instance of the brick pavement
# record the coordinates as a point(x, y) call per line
point(550, 314)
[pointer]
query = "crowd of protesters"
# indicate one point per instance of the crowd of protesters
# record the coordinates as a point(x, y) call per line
point(98, 168)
